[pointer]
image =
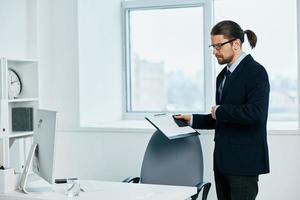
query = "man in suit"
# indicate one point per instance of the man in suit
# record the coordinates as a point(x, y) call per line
point(239, 116)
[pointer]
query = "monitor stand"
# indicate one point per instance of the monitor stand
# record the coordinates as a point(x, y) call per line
point(72, 191)
point(24, 177)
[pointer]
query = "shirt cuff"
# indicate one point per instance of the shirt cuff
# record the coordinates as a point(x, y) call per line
point(191, 121)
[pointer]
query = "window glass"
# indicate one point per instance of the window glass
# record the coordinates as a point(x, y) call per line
point(166, 62)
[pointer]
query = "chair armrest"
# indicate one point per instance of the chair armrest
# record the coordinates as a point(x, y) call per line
point(203, 184)
point(206, 187)
point(131, 179)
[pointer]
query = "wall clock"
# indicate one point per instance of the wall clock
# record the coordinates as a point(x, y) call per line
point(14, 84)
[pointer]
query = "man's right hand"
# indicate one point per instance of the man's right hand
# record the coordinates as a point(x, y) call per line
point(186, 118)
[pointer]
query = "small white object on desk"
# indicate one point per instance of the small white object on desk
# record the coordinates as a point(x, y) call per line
point(8, 180)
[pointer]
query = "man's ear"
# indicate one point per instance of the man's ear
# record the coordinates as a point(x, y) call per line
point(236, 44)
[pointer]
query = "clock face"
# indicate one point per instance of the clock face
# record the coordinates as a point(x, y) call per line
point(14, 84)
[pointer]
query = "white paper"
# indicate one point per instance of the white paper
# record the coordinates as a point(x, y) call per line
point(166, 124)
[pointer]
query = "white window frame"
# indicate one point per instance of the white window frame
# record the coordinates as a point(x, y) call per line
point(298, 68)
point(209, 70)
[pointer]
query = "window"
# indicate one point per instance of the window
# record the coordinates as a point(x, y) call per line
point(275, 23)
point(165, 57)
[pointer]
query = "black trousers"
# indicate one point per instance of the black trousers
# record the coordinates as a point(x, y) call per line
point(236, 187)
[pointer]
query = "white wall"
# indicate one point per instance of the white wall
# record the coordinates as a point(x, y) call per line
point(111, 154)
point(18, 29)
point(99, 26)
point(103, 156)
point(58, 59)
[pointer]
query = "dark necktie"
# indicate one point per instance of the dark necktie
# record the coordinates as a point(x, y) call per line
point(222, 84)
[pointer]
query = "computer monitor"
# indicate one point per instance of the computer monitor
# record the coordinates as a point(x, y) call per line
point(42, 152)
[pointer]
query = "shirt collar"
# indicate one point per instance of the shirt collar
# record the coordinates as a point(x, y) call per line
point(232, 67)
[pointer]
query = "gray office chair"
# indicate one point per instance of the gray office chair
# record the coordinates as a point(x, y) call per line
point(173, 162)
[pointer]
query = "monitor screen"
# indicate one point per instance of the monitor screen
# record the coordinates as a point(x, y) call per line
point(42, 152)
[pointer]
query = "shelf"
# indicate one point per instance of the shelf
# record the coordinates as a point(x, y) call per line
point(22, 100)
point(21, 134)
point(15, 144)
point(20, 60)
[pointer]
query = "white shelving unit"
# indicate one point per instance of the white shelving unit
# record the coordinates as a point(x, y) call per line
point(15, 145)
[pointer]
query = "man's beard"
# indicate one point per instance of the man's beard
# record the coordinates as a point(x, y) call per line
point(223, 61)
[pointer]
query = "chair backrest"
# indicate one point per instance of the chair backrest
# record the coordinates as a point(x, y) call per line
point(173, 162)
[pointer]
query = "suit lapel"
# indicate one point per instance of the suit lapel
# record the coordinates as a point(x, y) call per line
point(233, 76)
point(219, 82)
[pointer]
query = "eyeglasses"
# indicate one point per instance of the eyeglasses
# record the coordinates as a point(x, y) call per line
point(219, 45)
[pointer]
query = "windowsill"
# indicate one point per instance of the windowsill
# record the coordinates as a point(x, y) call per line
point(142, 126)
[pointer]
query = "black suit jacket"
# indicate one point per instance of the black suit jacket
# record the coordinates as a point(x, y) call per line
point(240, 129)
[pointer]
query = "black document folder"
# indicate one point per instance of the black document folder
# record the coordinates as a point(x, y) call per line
point(166, 124)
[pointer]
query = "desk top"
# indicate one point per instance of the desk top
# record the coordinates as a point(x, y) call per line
point(103, 190)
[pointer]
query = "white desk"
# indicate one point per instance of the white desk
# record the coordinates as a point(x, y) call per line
point(104, 190)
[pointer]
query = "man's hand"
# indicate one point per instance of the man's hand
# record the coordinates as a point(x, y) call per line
point(186, 118)
point(213, 112)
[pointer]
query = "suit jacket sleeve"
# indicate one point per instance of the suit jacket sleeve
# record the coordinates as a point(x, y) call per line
point(255, 108)
point(201, 121)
